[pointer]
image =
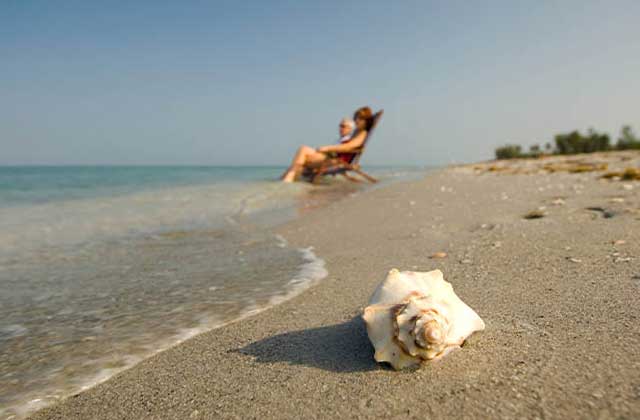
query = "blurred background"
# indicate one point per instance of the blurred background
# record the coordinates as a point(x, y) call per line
point(244, 83)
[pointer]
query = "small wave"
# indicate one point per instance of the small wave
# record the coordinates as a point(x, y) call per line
point(12, 331)
point(311, 272)
point(36, 228)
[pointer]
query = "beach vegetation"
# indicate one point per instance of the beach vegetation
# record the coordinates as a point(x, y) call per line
point(510, 151)
point(629, 174)
point(534, 150)
point(627, 139)
point(572, 143)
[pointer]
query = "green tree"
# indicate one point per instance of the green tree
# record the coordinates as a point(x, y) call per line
point(574, 142)
point(627, 139)
point(596, 142)
point(567, 143)
point(510, 151)
point(534, 150)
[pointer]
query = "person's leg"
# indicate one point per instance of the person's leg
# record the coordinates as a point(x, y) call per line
point(298, 160)
point(304, 156)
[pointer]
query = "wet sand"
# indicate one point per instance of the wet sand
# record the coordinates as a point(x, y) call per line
point(559, 295)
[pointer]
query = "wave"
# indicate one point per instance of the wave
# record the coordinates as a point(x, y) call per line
point(67, 223)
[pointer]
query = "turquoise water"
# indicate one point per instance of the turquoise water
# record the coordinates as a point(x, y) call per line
point(101, 267)
point(20, 185)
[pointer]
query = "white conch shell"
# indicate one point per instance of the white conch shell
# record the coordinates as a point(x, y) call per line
point(415, 316)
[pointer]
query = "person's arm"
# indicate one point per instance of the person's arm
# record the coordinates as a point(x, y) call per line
point(356, 142)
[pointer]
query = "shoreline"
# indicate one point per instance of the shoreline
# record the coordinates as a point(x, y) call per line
point(309, 356)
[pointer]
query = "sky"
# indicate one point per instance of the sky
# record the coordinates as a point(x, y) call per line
point(245, 83)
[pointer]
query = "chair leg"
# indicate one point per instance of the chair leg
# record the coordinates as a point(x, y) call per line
point(350, 178)
point(365, 175)
point(316, 177)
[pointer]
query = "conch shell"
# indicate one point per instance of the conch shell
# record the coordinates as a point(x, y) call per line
point(415, 316)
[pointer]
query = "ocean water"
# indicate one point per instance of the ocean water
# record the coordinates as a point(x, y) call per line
point(101, 267)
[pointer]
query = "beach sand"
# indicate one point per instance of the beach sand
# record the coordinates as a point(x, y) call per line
point(559, 294)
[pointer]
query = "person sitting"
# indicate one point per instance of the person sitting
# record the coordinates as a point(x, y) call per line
point(346, 127)
point(308, 157)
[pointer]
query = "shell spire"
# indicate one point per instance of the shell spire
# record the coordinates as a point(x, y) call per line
point(414, 317)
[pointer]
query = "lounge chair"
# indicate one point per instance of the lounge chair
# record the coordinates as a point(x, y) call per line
point(336, 166)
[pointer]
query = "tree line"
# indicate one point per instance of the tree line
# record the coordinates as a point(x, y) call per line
point(572, 143)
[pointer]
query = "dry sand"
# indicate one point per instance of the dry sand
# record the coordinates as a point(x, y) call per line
point(559, 296)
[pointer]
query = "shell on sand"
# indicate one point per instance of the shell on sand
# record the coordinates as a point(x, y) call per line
point(414, 317)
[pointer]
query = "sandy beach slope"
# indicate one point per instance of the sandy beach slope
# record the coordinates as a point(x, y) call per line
point(559, 294)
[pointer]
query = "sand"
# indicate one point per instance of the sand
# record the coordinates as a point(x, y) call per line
point(559, 294)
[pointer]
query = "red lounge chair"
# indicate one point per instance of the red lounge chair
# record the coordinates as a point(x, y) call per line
point(337, 166)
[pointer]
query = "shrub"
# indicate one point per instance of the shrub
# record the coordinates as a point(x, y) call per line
point(627, 139)
point(510, 151)
point(534, 151)
point(574, 142)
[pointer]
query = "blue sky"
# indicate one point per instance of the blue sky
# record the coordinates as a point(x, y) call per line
point(244, 83)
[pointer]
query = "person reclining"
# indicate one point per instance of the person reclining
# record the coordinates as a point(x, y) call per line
point(308, 157)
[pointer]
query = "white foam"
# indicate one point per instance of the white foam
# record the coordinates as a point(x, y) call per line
point(281, 242)
point(311, 272)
